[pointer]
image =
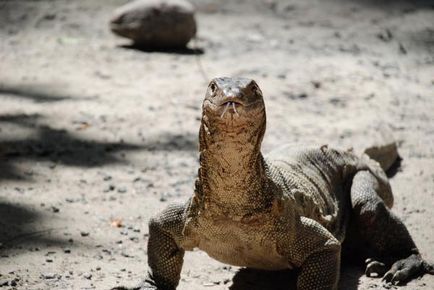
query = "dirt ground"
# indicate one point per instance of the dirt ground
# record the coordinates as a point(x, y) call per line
point(94, 134)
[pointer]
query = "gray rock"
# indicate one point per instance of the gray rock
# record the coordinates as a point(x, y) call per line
point(155, 23)
point(84, 234)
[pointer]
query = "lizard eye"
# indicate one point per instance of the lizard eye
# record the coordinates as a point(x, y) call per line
point(213, 87)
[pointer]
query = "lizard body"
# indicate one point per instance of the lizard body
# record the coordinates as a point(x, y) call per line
point(289, 209)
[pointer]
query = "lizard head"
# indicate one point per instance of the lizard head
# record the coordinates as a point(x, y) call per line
point(234, 106)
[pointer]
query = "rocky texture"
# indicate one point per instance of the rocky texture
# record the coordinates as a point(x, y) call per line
point(155, 23)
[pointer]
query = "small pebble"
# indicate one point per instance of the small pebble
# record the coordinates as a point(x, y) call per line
point(108, 252)
point(316, 84)
point(48, 275)
point(122, 189)
point(109, 188)
point(126, 255)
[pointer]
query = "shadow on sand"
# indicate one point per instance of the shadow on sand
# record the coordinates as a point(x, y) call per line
point(60, 146)
point(180, 51)
point(18, 229)
point(264, 280)
point(169, 141)
point(38, 93)
point(55, 145)
point(286, 280)
point(405, 4)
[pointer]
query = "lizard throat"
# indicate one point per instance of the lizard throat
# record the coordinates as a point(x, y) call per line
point(232, 175)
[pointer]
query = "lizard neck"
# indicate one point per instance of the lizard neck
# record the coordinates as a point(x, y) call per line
point(232, 178)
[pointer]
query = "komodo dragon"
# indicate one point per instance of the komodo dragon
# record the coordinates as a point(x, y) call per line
point(290, 209)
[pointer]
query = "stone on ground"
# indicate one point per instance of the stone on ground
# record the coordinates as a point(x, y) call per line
point(155, 23)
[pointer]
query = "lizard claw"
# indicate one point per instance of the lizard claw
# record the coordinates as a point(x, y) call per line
point(405, 269)
point(374, 268)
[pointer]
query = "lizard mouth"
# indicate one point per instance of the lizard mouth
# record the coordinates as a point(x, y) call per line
point(230, 105)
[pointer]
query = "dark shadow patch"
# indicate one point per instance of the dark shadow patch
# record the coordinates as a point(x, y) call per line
point(353, 255)
point(9, 171)
point(350, 276)
point(405, 5)
point(58, 146)
point(18, 229)
point(61, 147)
point(423, 39)
point(15, 16)
point(171, 142)
point(26, 120)
point(395, 168)
point(253, 279)
point(287, 279)
point(181, 51)
point(37, 93)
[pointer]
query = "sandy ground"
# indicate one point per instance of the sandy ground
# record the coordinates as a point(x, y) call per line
point(93, 132)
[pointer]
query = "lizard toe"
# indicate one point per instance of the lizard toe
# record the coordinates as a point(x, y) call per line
point(400, 277)
point(403, 270)
point(374, 268)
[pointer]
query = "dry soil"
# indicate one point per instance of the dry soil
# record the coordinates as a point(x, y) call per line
point(96, 135)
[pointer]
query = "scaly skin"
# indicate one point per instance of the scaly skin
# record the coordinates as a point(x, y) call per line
point(288, 210)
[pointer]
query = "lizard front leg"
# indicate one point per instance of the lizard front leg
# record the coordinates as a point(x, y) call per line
point(317, 252)
point(165, 253)
point(165, 258)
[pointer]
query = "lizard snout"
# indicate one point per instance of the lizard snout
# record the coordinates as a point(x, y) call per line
point(230, 106)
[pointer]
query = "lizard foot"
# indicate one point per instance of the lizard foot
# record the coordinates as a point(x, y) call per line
point(374, 268)
point(404, 270)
